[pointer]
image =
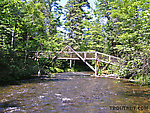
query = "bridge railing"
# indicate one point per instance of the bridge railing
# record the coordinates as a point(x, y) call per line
point(102, 57)
point(107, 58)
point(73, 56)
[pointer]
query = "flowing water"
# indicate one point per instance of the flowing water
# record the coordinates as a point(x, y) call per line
point(74, 93)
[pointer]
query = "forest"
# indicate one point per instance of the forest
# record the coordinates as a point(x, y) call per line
point(116, 27)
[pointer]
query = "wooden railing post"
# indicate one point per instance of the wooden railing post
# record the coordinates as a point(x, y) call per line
point(95, 63)
point(84, 55)
point(109, 59)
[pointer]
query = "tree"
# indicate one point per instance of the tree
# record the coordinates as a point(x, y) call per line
point(75, 15)
point(109, 29)
point(23, 29)
point(52, 12)
point(127, 33)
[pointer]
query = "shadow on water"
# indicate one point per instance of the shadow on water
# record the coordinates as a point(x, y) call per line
point(133, 83)
point(35, 79)
point(18, 82)
point(136, 93)
point(45, 78)
point(8, 104)
point(134, 90)
point(11, 103)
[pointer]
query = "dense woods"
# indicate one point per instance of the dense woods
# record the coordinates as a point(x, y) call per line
point(116, 27)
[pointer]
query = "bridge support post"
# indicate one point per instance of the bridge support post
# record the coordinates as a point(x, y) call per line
point(70, 60)
point(96, 63)
point(70, 64)
point(95, 68)
point(39, 70)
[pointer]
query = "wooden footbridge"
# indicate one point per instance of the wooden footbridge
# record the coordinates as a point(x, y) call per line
point(67, 53)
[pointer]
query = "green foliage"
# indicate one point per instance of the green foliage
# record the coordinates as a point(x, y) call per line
point(25, 27)
point(127, 34)
point(74, 22)
point(14, 67)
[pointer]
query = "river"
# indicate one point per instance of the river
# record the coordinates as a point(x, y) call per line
point(74, 93)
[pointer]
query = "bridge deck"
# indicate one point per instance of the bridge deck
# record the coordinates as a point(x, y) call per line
point(80, 55)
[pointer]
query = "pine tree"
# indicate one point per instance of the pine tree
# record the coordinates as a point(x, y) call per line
point(75, 15)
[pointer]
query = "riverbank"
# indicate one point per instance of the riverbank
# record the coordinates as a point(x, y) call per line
point(115, 76)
